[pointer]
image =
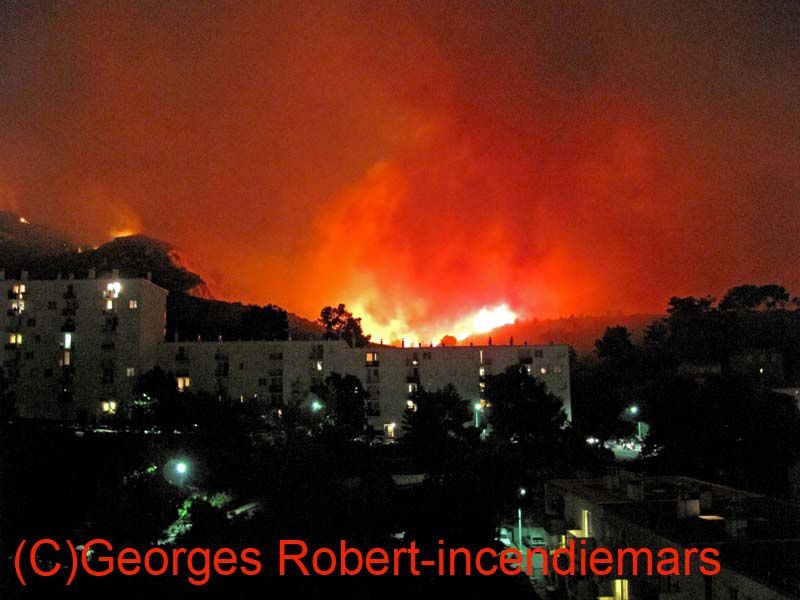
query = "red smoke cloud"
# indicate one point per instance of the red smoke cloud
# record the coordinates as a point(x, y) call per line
point(417, 162)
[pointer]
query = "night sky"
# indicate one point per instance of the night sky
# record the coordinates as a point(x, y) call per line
point(417, 160)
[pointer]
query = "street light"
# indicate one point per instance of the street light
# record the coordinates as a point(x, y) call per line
point(633, 409)
point(521, 493)
point(477, 407)
point(316, 406)
point(177, 471)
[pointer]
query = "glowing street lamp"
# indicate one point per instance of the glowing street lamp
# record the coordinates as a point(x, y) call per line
point(477, 407)
point(176, 471)
point(633, 409)
point(316, 406)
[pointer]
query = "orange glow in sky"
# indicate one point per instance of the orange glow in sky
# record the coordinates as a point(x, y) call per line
point(439, 168)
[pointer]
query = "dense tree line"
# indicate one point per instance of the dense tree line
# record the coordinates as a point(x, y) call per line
point(702, 381)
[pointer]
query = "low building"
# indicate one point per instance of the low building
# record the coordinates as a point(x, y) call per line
point(283, 370)
point(758, 537)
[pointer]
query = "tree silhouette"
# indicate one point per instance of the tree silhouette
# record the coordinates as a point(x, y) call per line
point(343, 399)
point(437, 421)
point(339, 323)
point(753, 297)
point(521, 409)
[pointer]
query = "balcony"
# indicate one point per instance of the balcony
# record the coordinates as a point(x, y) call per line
point(69, 295)
point(68, 326)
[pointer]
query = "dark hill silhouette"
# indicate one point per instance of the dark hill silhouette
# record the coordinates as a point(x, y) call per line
point(580, 332)
point(191, 310)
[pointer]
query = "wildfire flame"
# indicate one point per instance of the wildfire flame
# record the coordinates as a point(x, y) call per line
point(483, 321)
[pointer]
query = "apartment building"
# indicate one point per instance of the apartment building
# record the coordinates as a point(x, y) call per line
point(756, 536)
point(74, 347)
point(283, 370)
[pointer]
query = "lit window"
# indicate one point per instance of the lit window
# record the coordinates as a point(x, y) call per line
point(15, 339)
point(18, 306)
point(411, 405)
point(319, 365)
point(557, 369)
point(108, 407)
point(130, 371)
point(621, 589)
point(66, 358)
point(543, 370)
point(67, 341)
point(412, 388)
point(482, 372)
point(183, 383)
point(109, 305)
point(389, 429)
point(371, 358)
point(528, 369)
point(113, 289)
point(18, 289)
point(133, 304)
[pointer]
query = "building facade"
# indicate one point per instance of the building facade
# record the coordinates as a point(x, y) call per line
point(74, 347)
point(284, 370)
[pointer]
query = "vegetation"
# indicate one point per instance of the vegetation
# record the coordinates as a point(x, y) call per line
point(340, 324)
point(702, 381)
